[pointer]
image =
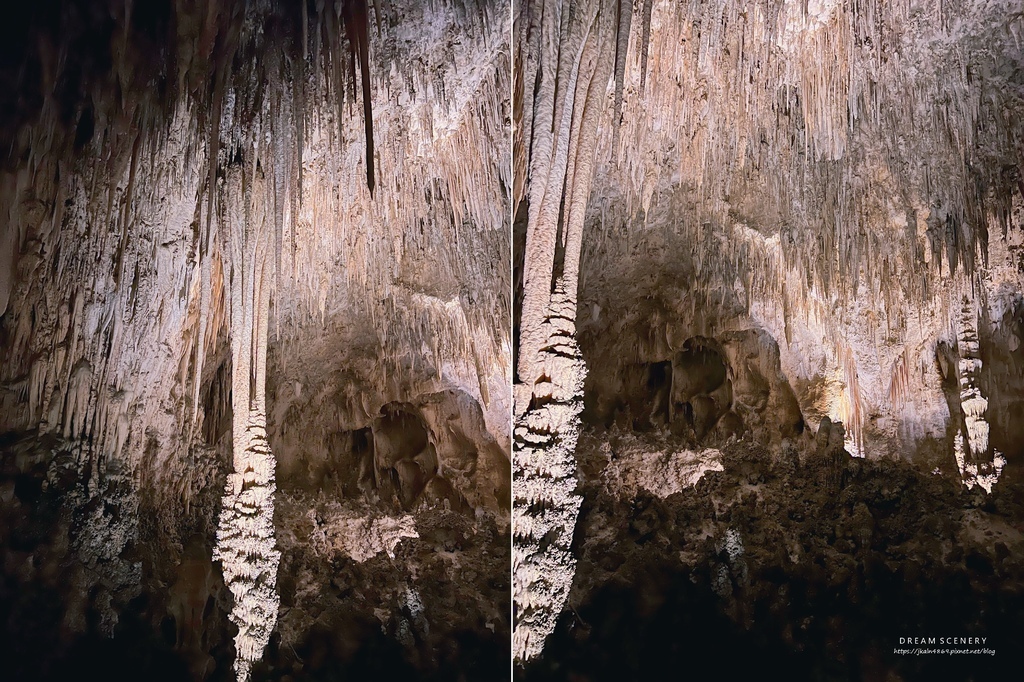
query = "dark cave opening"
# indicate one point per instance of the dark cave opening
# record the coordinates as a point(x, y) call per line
point(404, 459)
point(1002, 380)
point(701, 388)
point(709, 391)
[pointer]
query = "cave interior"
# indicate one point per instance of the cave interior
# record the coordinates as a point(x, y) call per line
point(254, 339)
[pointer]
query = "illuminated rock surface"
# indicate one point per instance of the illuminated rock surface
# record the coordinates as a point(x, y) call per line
point(801, 247)
point(255, 272)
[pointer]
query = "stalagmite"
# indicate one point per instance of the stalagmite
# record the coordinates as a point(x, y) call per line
point(852, 407)
point(978, 463)
point(548, 395)
point(545, 502)
point(972, 401)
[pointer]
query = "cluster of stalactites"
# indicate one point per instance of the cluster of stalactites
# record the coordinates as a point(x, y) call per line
point(88, 81)
point(83, 134)
point(821, 158)
point(120, 294)
point(871, 136)
point(97, 154)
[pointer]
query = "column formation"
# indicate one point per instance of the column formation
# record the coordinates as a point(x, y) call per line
point(568, 51)
point(246, 545)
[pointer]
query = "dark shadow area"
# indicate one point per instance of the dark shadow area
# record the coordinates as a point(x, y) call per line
point(672, 625)
point(810, 565)
point(360, 651)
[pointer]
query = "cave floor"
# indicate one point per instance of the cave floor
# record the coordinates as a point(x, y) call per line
point(788, 562)
point(426, 602)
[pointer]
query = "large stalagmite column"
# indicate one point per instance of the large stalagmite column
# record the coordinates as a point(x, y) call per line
point(245, 536)
point(972, 401)
point(978, 463)
point(568, 50)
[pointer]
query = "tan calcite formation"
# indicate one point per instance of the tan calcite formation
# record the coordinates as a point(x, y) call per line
point(120, 292)
point(202, 234)
point(835, 173)
point(246, 546)
point(569, 48)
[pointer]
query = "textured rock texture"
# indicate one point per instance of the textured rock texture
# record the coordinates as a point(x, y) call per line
point(252, 253)
point(779, 168)
point(563, 64)
point(803, 220)
point(785, 562)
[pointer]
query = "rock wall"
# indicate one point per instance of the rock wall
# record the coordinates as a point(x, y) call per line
point(226, 223)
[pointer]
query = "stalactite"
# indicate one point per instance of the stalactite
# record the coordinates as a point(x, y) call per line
point(357, 30)
point(645, 40)
point(621, 45)
point(550, 170)
point(899, 381)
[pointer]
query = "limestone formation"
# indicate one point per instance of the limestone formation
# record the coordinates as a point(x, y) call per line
point(770, 222)
point(234, 235)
